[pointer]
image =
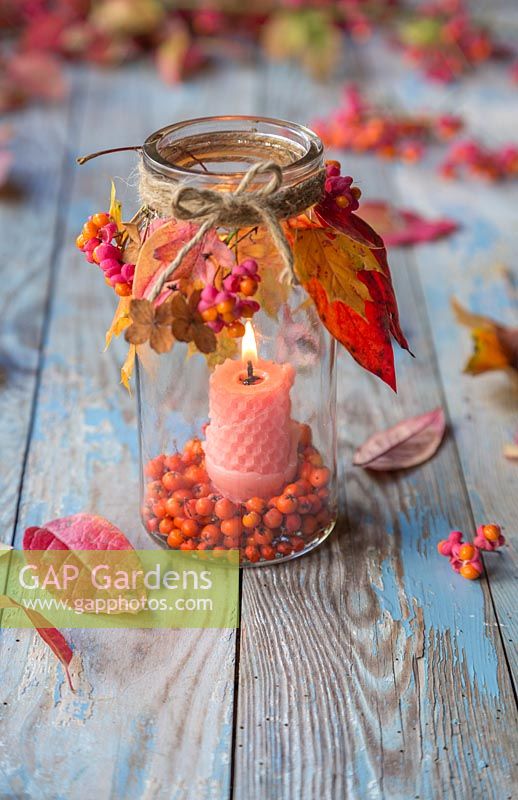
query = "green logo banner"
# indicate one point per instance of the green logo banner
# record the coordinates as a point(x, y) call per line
point(120, 588)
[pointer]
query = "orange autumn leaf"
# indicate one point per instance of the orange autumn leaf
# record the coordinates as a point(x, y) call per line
point(495, 346)
point(128, 366)
point(349, 282)
point(120, 321)
point(335, 261)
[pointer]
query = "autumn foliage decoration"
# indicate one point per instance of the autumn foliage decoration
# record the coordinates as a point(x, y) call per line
point(337, 257)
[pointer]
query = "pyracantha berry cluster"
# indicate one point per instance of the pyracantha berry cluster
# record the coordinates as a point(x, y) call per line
point(98, 241)
point(465, 557)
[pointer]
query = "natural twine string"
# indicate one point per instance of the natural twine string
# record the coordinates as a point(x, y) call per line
point(241, 208)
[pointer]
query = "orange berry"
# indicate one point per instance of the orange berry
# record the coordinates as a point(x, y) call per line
point(315, 459)
point(309, 524)
point(210, 314)
point(100, 219)
point(154, 468)
point(211, 534)
point(286, 505)
point(166, 526)
point(122, 289)
point(188, 545)
point(273, 518)
point(90, 230)
point(466, 552)
point(256, 504)
point(231, 542)
point(81, 241)
point(491, 532)
point(190, 528)
point(204, 506)
point(231, 527)
point(440, 546)
point(174, 507)
point(236, 330)
point(159, 509)
point(194, 474)
point(247, 312)
point(306, 470)
point(470, 572)
point(226, 306)
point(182, 495)
point(262, 535)
point(305, 436)
point(342, 201)
point(174, 463)
point(229, 317)
point(320, 477)
point(304, 505)
point(284, 548)
point(201, 490)
point(297, 543)
point(225, 509)
point(178, 521)
point(173, 481)
point(293, 522)
point(268, 552)
point(252, 553)
point(175, 538)
point(248, 287)
point(294, 490)
point(252, 519)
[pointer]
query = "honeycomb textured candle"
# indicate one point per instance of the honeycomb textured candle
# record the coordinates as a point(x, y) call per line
point(251, 441)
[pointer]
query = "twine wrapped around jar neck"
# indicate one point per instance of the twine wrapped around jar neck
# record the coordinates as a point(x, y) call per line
point(243, 207)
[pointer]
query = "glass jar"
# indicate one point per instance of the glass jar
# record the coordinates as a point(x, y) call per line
point(241, 454)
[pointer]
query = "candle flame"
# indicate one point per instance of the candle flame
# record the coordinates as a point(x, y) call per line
point(248, 344)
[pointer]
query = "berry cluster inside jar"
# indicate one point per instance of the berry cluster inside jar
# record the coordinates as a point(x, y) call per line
point(186, 511)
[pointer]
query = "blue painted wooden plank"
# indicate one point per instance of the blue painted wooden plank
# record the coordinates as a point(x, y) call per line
point(369, 669)
point(152, 715)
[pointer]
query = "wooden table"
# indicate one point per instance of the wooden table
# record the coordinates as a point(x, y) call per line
point(367, 669)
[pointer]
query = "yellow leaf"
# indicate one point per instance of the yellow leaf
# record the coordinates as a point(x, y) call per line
point(488, 352)
point(258, 244)
point(127, 367)
point(227, 347)
point(335, 261)
point(121, 320)
point(115, 207)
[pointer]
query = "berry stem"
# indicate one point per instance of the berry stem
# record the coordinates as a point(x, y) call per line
point(84, 159)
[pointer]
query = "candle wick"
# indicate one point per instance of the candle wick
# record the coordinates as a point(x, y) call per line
point(250, 377)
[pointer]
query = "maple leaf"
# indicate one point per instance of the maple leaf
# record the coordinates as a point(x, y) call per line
point(351, 287)
point(495, 346)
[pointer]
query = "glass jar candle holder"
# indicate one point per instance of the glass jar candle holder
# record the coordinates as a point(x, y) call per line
point(238, 448)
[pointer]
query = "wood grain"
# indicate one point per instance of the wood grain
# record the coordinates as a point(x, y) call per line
point(152, 716)
point(368, 670)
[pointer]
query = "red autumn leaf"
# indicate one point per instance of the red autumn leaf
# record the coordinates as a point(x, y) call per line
point(399, 226)
point(51, 636)
point(407, 444)
point(348, 277)
point(77, 532)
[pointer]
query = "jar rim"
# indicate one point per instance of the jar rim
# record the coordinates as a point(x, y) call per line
point(299, 149)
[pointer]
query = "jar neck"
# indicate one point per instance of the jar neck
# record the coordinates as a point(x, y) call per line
point(216, 152)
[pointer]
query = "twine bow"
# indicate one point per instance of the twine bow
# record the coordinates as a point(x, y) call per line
point(213, 208)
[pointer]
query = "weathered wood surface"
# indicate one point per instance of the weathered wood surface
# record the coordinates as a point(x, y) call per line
point(366, 670)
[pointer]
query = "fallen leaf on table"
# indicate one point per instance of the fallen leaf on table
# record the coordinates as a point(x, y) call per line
point(407, 444)
point(495, 346)
point(400, 226)
point(76, 532)
point(50, 635)
point(66, 543)
point(178, 55)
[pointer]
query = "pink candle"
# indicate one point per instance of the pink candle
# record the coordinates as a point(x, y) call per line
point(251, 441)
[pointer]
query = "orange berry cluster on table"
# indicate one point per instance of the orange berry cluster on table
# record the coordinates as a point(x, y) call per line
point(465, 557)
point(184, 508)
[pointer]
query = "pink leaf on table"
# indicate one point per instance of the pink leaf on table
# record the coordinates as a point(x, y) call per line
point(400, 227)
point(77, 532)
point(407, 444)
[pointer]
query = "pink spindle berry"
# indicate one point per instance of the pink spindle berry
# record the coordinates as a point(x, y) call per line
point(489, 537)
point(445, 546)
point(108, 232)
